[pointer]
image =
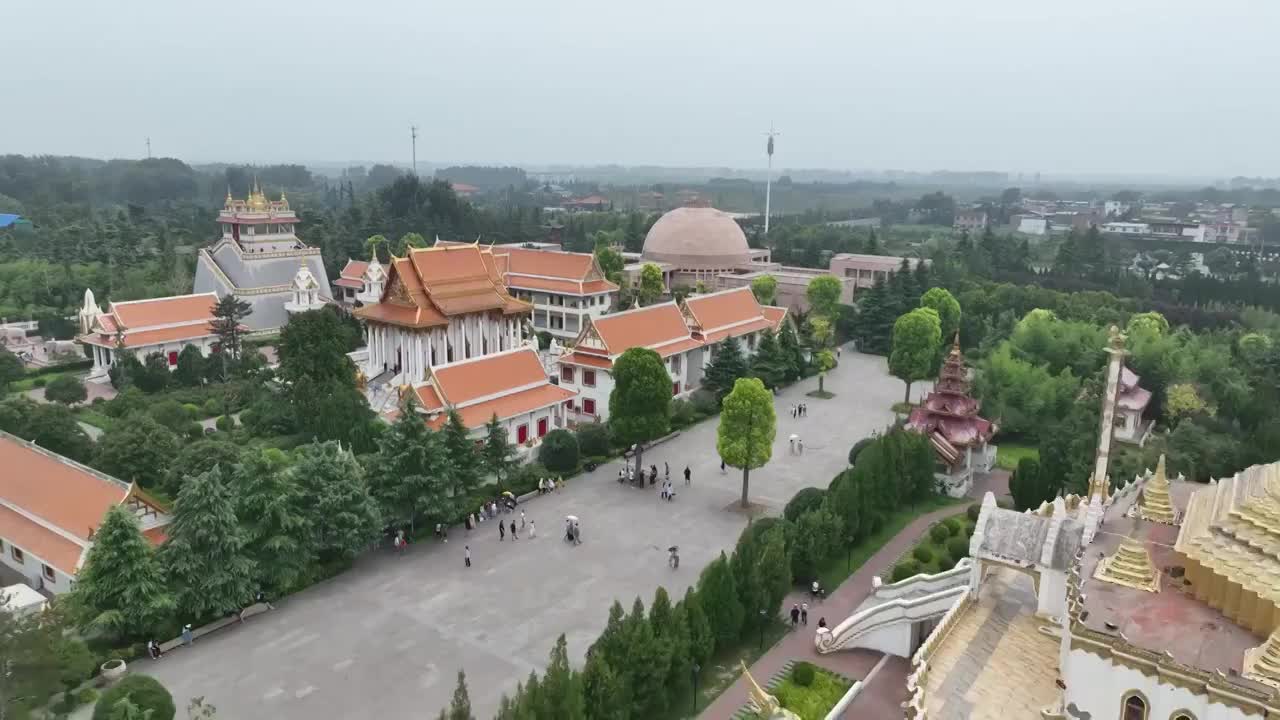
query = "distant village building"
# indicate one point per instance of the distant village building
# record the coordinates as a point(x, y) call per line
point(972, 220)
point(464, 190)
point(949, 418)
point(1131, 403)
point(866, 270)
point(50, 508)
point(590, 203)
point(159, 325)
point(257, 259)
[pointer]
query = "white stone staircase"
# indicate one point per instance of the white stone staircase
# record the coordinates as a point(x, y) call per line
point(896, 616)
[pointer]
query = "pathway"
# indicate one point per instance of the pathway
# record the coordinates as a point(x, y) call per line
point(386, 638)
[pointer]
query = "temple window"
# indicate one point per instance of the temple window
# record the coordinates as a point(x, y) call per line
point(1134, 707)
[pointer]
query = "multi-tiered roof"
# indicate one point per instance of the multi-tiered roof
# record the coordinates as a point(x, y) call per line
point(949, 414)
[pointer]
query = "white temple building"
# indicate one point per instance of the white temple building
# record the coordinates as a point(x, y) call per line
point(158, 325)
point(257, 258)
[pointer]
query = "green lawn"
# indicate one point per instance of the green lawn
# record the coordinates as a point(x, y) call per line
point(816, 700)
point(1008, 455)
point(93, 417)
point(29, 383)
point(840, 567)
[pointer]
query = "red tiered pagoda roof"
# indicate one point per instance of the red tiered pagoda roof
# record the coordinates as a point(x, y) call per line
point(949, 415)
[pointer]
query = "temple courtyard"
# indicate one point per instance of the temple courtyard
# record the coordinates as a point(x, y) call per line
point(386, 638)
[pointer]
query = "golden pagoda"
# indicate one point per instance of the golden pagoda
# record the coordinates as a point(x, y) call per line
point(1156, 505)
point(1130, 566)
point(1263, 662)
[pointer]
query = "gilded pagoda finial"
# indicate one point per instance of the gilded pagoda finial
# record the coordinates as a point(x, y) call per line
point(1156, 505)
point(1115, 338)
point(1130, 566)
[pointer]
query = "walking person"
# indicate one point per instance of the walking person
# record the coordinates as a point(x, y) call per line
point(804, 613)
point(187, 637)
point(514, 536)
point(502, 531)
point(398, 543)
point(688, 475)
point(533, 530)
point(466, 554)
point(153, 649)
point(799, 449)
point(723, 468)
point(666, 472)
point(522, 518)
point(795, 616)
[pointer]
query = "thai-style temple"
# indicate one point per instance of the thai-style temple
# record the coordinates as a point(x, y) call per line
point(1156, 600)
point(440, 305)
point(163, 325)
point(257, 259)
point(1131, 403)
point(359, 283)
point(949, 418)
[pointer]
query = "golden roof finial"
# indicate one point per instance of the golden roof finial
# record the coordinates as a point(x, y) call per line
point(1130, 566)
point(1156, 505)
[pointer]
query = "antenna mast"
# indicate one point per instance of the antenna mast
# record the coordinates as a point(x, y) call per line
point(148, 147)
point(413, 136)
point(768, 183)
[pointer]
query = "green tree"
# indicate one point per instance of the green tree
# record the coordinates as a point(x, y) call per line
point(727, 365)
point(823, 294)
point(199, 457)
point(559, 451)
point(460, 706)
point(1148, 323)
point(747, 429)
point(1027, 486)
point(32, 672)
point(944, 303)
point(594, 439)
point(278, 533)
point(409, 473)
point(371, 245)
point(154, 374)
point(229, 314)
point(561, 687)
point(464, 464)
point(651, 285)
point(917, 338)
point(818, 534)
point(647, 664)
point(611, 263)
point(640, 403)
point(191, 368)
point(769, 364)
point(11, 369)
point(821, 335)
point(791, 352)
point(702, 642)
point(498, 456)
point(335, 500)
point(671, 628)
point(765, 288)
point(602, 689)
point(321, 379)
point(718, 593)
point(52, 427)
point(1183, 400)
point(65, 389)
point(149, 699)
point(140, 450)
point(120, 590)
point(205, 557)
point(410, 240)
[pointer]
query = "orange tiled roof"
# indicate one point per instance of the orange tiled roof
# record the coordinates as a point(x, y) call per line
point(163, 311)
point(553, 270)
point(143, 338)
point(51, 490)
point(439, 282)
point(428, 398)
point(598, 286)
point(467, 381)
point(354, 269)
point(760, 323)
point(647, 327)
point(774, 314)
point(556, 285)
point(506, 406)
point(594, 361)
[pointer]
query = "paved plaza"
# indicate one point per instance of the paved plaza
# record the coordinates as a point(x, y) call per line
point(387, 638)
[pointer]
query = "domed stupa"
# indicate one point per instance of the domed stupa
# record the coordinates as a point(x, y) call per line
point(697, 242)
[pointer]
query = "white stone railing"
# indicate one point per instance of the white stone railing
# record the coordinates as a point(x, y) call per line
point(893, 612)
point(917, 682)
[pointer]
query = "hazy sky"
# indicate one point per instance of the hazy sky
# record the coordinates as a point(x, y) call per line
point(1179, 87)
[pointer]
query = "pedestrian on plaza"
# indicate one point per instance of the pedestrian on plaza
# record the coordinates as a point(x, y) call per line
point(804, 613)
point(837, 353)
point(466, 554)
point(502, 531)
point(622, 475)
point(822, 622)
point(514, 536)
point(261, 599)
point(522, 518)
point(559, 483)
point(687, 476)
point(663, 493)
point(793, 412)
point(398, 542)
point(153, 649)
point(187, 638)
point(799, 449)
point(793, 445)
point(653, 474)
point(795, 615)
point(666, 470)
point(533, 530)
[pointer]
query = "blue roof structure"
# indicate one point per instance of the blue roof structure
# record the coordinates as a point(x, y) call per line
point(7, 219)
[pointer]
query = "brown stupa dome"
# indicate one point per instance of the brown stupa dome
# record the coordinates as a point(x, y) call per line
point(697, 238)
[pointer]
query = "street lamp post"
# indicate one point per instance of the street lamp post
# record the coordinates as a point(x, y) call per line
point(764, 615)
point(696, 668)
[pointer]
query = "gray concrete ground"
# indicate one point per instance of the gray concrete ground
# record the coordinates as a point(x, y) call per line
point(387, 638)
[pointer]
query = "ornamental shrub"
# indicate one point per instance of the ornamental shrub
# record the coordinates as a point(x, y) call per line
point(142, 690)
point(857, 448)
point(939, 533)
point(807, 500)
point(212, 407)
point(922, 555)
point(905, 569)
point(683, 414)
point(973, 511)
point(594, 440)
point(65, 389)
point(958, 547)
point(944, 561)
point(955, 525)
point(802, 674)
point(225, 423)
point(559, 451)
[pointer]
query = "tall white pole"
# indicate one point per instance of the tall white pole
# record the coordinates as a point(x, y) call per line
point(768, 182)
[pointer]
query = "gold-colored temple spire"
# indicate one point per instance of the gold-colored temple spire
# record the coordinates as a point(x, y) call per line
point(1263, 662)
point(1130, 566)
point(1156, 505)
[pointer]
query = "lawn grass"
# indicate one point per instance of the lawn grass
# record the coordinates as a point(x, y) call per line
point(723, 670)
point(1008, 455)
point(29, 383)
point(93, 417)
point(839, 567)
point(937, 549)
point(816, 700)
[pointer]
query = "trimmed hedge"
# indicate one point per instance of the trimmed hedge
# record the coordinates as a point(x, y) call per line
point(939, 533)
point(905, 569)
point(142, 690)
point(559, 452)
point(958, 547)
point(922, 555)
point(802, 674)
point(972, 511)
point(807, 500)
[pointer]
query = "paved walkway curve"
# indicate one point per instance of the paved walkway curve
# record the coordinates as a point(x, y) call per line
point(888, 688)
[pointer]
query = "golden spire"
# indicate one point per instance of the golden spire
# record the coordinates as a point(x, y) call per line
point(1156, 505)
point(1263, 662)
point(1130, 566)
point(230, 201)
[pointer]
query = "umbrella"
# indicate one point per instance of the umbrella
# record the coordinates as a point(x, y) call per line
point(794, 437)
point(507, 493)
point(673, 548)
point(571, 518)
